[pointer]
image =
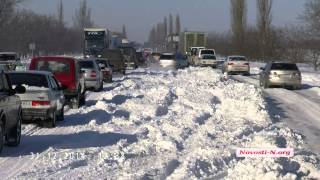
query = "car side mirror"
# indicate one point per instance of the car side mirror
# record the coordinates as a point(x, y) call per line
point(19, 89)
point(262, 68)
point(82, 71)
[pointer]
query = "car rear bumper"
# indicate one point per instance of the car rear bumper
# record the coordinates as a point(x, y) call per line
point(284, 82)
point(92, 84)
point(208, 63)
point(31, 114)
point(238, 69)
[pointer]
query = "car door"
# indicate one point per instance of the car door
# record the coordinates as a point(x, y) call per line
point(57, 94)
point(9, 103)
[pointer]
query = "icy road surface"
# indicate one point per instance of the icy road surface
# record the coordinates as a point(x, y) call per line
point(300, 109)
point(162, 125)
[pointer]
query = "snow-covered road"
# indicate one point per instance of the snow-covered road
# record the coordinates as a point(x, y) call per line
point(150, 124)
point(300, 109)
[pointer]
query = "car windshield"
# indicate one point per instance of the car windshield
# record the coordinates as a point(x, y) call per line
point(167, 56)
point(26, 79)
point(208, 57)
point(95, 44)
point(53, 66)
point(284, 66)
point(86, 64)
point(7, 57)
point(237, 59)
point(207, 52)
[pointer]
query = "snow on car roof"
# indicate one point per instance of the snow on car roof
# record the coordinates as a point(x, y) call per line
point(31, 72)
point(11, 53)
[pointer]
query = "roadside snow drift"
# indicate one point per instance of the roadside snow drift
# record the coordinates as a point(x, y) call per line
point(163, 125)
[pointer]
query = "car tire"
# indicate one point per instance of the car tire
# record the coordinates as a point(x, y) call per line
point(51, 121)
point(14, 136)
point(2, 137)
point(76, 101)
point(61, 115)
point(99, 88)
point(83, 99)
point(110, 79)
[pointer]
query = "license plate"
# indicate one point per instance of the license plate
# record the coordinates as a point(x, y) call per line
point(26, 103)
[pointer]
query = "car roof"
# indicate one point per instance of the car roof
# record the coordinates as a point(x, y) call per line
point(206, 49)
point(282, 62)
point(46, 73)
point(11, 53)
point(167, 54)
point(55, 57)
point(236, 56)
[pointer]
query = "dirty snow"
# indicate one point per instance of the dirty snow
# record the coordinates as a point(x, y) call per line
point(162, 125)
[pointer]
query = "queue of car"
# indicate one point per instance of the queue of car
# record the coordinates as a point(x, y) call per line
point(40, 93)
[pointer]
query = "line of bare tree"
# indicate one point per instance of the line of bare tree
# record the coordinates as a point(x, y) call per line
point(265, 42)
point(159, 33)
point(50, 34)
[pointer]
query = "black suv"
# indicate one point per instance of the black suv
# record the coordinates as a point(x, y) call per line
point(10, 112)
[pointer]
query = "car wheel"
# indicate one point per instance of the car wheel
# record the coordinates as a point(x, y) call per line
point(14, 136)
point(51, 121)
point(101, 86)
point(76, 102)
point(83, 100)
point(61, 115)
point(2, 137)
point(110, 79)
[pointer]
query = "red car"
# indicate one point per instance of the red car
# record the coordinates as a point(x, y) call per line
point(67, 71)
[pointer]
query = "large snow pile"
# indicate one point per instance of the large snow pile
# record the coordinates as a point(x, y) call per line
point(175, 125)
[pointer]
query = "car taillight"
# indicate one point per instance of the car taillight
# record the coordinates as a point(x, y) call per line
point(40, 103)
point(93, 74)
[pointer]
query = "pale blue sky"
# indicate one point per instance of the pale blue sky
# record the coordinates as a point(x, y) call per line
point(140, 15)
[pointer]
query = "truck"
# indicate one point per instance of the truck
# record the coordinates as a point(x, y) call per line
point(191, 42)
point(9, 60)
point(190, 39)
point(96, 41)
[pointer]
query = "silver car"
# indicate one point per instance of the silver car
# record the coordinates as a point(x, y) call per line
point(43, 100)
point(167, 61)
point(92, 74)
point(236, 65)
point(280, 74)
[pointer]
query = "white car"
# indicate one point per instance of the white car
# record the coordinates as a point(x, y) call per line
point(206, 52)
point(167, 60)
point(43, 100)
point(236, 65)
point(208, 60)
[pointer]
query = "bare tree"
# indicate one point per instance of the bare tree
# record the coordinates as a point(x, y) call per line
point(311, 17)
point(170, 24)
point(82, 18)
point(165, 26)
point(178, 24)
point(61, 13)
point(7, 9)
point(264, 20)
point(124, 31)
point(238, 23)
